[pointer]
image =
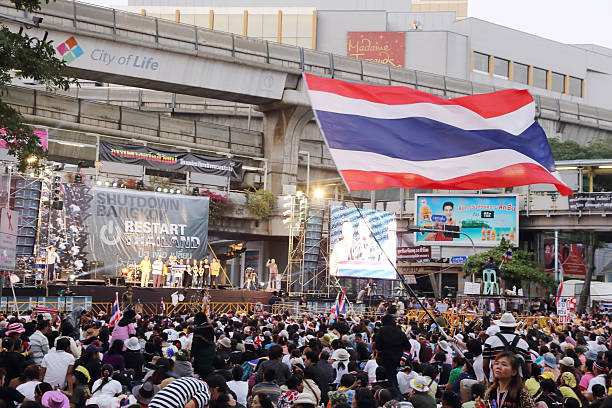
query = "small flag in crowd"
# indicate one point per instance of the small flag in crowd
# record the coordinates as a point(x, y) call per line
point(508, 255)
point(339, 306)
point(163, 306)
point(116, 314)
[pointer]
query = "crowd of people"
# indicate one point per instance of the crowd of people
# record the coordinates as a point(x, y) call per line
point(302, 361)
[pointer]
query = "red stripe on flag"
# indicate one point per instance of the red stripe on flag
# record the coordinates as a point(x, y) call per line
point(486, 105)
point(515, 175)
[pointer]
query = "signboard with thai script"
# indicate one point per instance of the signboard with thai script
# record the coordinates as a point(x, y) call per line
point(455, 220)
point(170, 160)
point(591, 202)
point(9, 222)
point(382, 47)
point(411, 254)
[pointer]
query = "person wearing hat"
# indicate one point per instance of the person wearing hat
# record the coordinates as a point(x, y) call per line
point(125, 328)
point(144, 393)
point(569, 388)
point(304, 400)
point(341, 364)
point(550, 365)
point(55, 399)
point(420, 397)
point(90, 359)
point(80, 389)
point(505, 340)
point(133, 357)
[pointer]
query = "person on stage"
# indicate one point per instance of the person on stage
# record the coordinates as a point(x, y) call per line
point(206, 272)
point(188, 275)
point(215, 267)
point(169, 274)
point(53, 259)
point(251, 278)
point(145, 271)
point(178, 271)
point(272, 275)
point(158, 270)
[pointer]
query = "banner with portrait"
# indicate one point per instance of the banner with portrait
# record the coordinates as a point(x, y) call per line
point(481, 220)
point(354, 250)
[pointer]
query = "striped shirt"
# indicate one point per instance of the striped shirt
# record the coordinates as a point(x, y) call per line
point(179, 392)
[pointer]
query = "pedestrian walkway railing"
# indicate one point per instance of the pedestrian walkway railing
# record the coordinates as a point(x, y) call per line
point(453, 321)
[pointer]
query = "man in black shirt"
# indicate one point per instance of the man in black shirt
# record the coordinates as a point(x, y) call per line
point(390, 343)
point(316, 374)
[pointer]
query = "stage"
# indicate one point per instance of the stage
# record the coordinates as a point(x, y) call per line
point(105, 293)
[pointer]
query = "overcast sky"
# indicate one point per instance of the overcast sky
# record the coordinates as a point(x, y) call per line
point(567, 21)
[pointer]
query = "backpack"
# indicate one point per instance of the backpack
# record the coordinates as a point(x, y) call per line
point(511, 347)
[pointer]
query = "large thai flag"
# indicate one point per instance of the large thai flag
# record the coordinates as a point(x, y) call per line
point(391, 136)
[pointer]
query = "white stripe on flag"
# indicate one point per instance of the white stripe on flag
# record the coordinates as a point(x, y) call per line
point(442, 169)
point(515, 122)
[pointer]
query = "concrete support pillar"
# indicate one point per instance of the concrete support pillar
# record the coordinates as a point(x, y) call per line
point(282, 128)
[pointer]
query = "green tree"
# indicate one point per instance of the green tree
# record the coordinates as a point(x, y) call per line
point(520, 271)
point(569, 150)
point(23, 56)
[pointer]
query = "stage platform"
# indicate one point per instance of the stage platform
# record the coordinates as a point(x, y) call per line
point(104, 293)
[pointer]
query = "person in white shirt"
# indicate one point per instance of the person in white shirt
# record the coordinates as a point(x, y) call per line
point(58, 364)
point(598, 345)
point(415, 347)
point(240, 388)
point(157, 269)
point(371, 367)
point(404, 377)
point(600, 369)
point(31, 374)
point(106, 386)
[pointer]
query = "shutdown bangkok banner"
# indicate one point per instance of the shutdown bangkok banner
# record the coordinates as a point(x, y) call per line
point(120, 226)
point(170, 161)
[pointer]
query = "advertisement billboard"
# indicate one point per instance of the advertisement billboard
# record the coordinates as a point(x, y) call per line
point(354, 251)
point(486, 219)
point(382, 47)
point(118, 227)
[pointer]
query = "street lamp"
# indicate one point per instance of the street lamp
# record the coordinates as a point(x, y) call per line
point(31, 160)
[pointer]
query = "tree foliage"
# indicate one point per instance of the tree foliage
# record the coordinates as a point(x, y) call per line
point(25, 56)
point(570, 150)
point(520, 271)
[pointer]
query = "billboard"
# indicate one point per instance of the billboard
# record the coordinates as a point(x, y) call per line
point(9, 222)
point(120, 226)
point(354, 252)
point(382, 47)
point(486, 219)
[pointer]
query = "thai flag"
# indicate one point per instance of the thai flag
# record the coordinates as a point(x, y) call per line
point(507, 256)
point(339, 306)
point(391, 136)
point(163, 306)
point(116, 314)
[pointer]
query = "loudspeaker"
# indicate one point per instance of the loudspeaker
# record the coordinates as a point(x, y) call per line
point(57, 205)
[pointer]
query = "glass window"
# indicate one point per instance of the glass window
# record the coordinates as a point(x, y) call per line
point(500, 67)
point(481, 62)
point(557, 82)
point(575, 87)
point(539, 77)
point(521, 73)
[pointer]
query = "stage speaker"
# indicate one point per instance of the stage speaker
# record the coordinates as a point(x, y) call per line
point(116, 281)
point(57, 205)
